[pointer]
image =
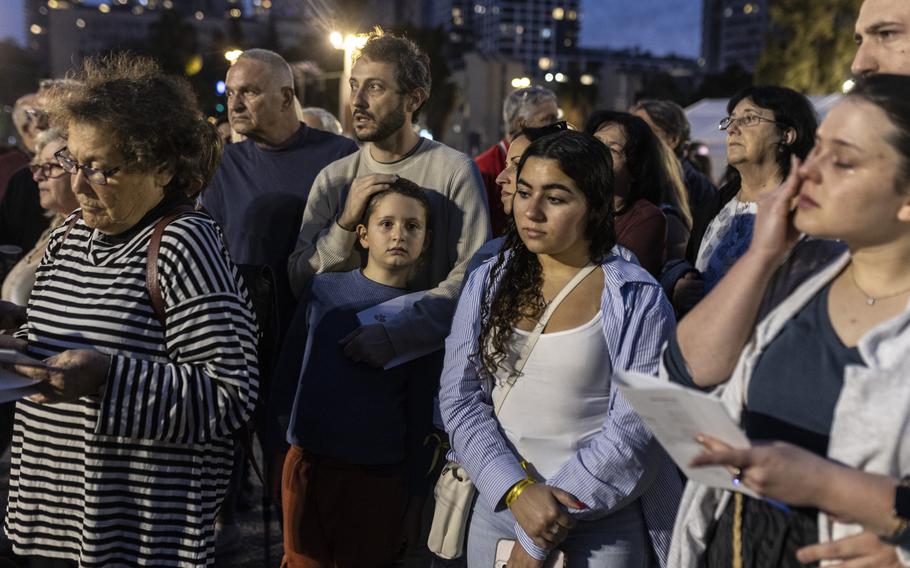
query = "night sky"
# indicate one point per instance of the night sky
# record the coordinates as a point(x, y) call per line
point(661, 26)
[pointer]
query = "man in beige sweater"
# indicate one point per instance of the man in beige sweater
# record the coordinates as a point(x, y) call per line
point(390, 81)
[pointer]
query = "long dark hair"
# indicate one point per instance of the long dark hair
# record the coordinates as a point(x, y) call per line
point(517, 270)
point(791, 110)
point(648, 178)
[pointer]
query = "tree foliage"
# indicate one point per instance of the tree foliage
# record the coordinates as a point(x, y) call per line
point(809, 46)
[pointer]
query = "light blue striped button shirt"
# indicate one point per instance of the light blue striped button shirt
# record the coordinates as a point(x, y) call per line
point(624, 462)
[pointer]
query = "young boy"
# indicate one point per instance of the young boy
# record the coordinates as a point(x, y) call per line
point(355, 431)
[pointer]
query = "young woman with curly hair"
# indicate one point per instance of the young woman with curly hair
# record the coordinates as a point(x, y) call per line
point(564, 462)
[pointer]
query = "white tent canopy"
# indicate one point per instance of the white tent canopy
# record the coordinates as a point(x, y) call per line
point(707, 113)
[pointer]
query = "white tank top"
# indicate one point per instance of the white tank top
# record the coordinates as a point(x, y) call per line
point(561, 399)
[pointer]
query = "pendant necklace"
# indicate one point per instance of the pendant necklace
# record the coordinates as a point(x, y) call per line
point(871, 300)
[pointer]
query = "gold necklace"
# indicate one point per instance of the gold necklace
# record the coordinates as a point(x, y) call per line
point(870, 299)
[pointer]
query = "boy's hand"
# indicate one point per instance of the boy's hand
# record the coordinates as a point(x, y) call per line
point(369, 344)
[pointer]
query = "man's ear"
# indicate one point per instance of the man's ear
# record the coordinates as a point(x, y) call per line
point(416, 99)
point(903, 214)
point(287, 97)
point(361, 231)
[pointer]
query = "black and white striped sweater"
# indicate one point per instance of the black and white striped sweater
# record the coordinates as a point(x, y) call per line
point(136, 475)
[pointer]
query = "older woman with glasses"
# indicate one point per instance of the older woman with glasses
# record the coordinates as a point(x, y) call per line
point(57, 198)
point(122, 456)
point(766, 126)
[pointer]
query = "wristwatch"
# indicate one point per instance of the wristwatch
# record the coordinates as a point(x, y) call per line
point(901, 512)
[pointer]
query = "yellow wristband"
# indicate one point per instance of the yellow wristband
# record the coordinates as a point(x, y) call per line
point(516, 490)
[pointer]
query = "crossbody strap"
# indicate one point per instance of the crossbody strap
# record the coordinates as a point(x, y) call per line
point(538, 330)
point(152, 284)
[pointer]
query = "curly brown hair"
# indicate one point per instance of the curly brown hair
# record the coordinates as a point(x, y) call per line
point(152, 118)
point(412, 64)
point(513, 288)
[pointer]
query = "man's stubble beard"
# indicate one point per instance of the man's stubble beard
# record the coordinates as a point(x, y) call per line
point(385, 127)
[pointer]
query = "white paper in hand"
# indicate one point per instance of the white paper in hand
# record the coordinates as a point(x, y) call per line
point(14, 386)
point(676, 415)
point(385, 311)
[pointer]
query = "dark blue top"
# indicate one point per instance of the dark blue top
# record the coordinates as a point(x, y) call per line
point(347, 410)
point(258, 194)
point(797, 380)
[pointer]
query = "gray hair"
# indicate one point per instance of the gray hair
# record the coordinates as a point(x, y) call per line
point(523, 102)
point(19, 117)
point(46, 137)
point(278, 67)
point(327, 120)
point(669, 117)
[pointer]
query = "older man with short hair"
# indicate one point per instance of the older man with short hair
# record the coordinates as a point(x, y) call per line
point(529, 107)
point(261, 187)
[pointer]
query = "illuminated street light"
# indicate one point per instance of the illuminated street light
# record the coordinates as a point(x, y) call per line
point(548, 77)
point(337, 40)
point(36, 29)
point(561, 78)
point(232, 55)
point(586, 79)
point(104, 8)
point(521, 82)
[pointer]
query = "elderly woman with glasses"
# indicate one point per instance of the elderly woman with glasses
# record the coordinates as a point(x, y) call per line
point(123, 454)
point(766, 126)
point(57, 198)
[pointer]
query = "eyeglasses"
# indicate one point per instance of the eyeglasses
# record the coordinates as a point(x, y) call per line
point(93, 175)
point(741, 121)
point(50, 170)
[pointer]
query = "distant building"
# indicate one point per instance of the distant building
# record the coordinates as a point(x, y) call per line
point(733, 33)
point(484, 82)
point(62, 33)
point(622, 75)
point(389, 13)
point(541, 34)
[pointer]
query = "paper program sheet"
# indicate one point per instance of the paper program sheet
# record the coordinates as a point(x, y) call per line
point(387, 310)
point(676, 415)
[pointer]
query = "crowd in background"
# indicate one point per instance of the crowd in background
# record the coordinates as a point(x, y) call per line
point(367, 308)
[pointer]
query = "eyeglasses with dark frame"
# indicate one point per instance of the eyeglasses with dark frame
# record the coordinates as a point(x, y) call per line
point(49, 170)
point(744, 121)
point(93, 175)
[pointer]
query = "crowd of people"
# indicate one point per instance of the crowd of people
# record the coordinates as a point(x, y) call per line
point(370, 308)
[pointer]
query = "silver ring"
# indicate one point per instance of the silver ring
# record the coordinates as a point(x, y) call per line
point(737, 476)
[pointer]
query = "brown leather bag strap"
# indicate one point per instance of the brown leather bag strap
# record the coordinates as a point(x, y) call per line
point(151, 261)
point(70, 225)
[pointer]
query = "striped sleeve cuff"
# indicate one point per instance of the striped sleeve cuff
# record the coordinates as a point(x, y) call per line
point(532, 549)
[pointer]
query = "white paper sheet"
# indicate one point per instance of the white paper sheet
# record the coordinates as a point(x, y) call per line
point(386, 311)
point(676, 415)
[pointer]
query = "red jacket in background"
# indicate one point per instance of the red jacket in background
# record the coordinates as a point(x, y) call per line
point(490, 163)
